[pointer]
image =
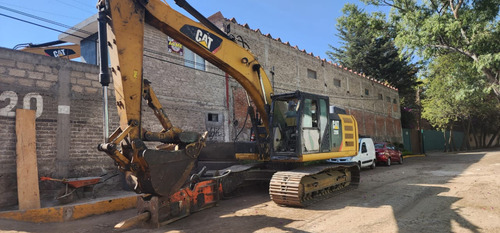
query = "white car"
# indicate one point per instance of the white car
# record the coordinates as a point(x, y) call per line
point(364, 158)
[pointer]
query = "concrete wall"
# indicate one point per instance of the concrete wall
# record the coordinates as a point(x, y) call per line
point(67, 99)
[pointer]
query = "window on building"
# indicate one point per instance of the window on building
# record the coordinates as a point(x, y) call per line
point(394, 101)
point(311, 74)
point(388, 99)
point(193, 60)
point(213, 117)
point(367, 92)
point(380, 97)
point(336, 82)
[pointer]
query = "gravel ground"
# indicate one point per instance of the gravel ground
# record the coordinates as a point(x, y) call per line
point(442, 192)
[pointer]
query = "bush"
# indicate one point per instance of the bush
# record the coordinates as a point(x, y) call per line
point(405, 152)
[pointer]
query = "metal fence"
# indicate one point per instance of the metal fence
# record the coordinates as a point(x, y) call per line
point(421, 141)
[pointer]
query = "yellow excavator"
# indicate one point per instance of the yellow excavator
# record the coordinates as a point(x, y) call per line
point(290, 129)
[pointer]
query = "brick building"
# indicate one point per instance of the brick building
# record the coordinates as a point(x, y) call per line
point(196, 96)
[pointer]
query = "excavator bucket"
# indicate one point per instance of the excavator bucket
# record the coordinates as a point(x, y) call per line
point(169, 170)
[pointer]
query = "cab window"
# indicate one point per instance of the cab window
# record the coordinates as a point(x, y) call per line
point(310, 117)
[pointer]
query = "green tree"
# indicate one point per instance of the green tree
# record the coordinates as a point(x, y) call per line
point(438, 109)
point(368, 47)
point(437, 27)
point(455, 93)
point(357, 30)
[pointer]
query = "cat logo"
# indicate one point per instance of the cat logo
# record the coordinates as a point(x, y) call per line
point(59, 52)
point(203, 37)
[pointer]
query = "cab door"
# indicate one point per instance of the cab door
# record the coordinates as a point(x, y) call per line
point(315, 137)
point(310, 127)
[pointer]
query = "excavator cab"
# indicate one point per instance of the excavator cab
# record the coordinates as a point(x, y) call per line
point(299, 122)
point(302, 124)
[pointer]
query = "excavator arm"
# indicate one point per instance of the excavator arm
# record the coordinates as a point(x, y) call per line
point(163, 172)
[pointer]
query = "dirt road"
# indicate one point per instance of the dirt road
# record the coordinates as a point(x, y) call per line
point(438, 193)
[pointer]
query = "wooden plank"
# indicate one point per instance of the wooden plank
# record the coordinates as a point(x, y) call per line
point(28, 192)
point(72, 212)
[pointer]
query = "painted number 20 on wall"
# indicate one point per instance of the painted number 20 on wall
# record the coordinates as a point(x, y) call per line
point(11, 98)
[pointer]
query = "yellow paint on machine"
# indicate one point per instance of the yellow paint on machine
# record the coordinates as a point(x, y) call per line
point(349, 135)
point(326, 155)
point(247, 156)
point(71, 212)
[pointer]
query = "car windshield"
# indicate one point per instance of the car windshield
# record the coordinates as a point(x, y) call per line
point(379, 146)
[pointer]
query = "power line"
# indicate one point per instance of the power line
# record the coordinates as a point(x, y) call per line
point(40, 11)
point(156, 52)
point(45, 20)
point(179, 59)
point(82, 4)
point(67, 4)
point(39, 25)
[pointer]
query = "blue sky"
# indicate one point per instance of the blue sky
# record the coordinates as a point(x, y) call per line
point(308, 24)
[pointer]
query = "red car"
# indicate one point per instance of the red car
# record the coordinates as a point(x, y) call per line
point(387, 153)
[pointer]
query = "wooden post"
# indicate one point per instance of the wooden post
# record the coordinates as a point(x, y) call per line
point(28, 192)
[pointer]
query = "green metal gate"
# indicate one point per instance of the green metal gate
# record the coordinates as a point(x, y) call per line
point(431, 140)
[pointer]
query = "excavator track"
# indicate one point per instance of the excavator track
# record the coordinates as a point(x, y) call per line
point(303, 186)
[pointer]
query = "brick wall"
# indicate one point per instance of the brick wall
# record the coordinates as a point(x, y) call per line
point(67, 138)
